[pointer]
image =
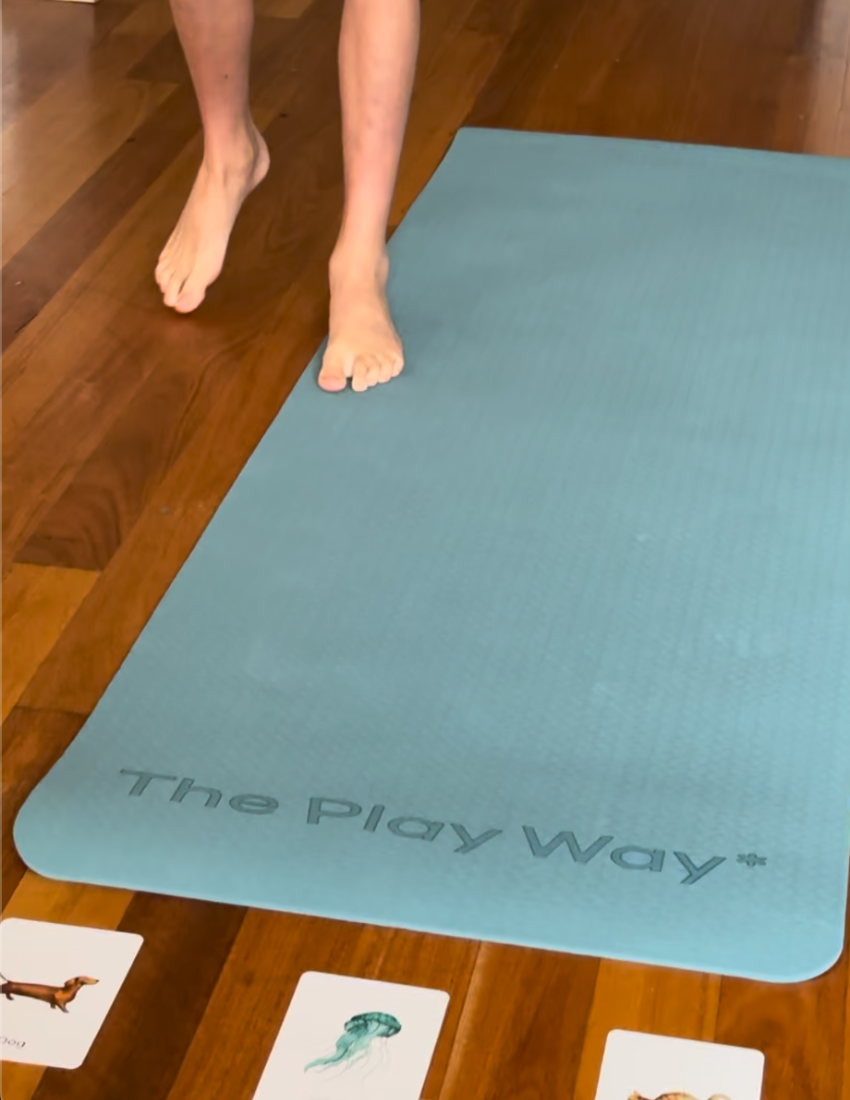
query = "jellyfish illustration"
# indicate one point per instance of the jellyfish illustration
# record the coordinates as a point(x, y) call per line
point(355, 1045)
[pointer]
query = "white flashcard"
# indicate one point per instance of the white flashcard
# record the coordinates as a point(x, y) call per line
point(639, 1066)
point(57, 986)
point(352, 1039)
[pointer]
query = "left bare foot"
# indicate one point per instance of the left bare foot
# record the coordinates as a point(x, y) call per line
point(363, 344)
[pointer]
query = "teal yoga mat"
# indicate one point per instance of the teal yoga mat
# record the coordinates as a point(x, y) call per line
point(548, 642)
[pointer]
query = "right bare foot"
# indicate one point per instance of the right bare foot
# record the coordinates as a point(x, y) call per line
point(194, 255)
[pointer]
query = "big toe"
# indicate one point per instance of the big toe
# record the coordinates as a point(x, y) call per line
point(332, 376)
point(191, 296)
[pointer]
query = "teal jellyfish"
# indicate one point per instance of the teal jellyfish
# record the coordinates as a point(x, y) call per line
point(360, 1033)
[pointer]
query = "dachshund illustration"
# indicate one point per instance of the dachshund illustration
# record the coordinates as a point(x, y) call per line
point(674, 1096)
point(57, 996)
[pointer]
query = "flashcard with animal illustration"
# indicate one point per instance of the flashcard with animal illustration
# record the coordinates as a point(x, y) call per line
point(639, 1066)
point(57, 986)
point(352, 1039)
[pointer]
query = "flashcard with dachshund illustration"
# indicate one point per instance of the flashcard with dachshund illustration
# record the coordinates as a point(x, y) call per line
point(57, 985)
point(353, 1039)
point(639, 1066)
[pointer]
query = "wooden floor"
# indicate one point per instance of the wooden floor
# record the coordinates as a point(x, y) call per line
point(124, 425)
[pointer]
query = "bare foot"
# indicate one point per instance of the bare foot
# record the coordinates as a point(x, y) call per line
point(194, 255)
point(363, 344)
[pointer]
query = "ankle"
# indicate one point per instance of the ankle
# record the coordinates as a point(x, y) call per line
point(362, 262)
point(232, 152)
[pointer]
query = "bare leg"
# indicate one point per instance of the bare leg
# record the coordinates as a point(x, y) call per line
point(216, 38)
point(377, 60)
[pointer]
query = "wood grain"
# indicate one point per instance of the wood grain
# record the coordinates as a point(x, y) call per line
point(51, 255)
point(523, 1026)
point(38, 603)
point(89, 654)
point(33, 741)
point(258, 981)
point(124, 426)
point(162, 1002)
point(45, 175)
point(644, 998)
point(41, 44)
point(800, 1028)
point(53, 147)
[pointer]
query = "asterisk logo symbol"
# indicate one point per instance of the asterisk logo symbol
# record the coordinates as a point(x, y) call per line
point(752, 860)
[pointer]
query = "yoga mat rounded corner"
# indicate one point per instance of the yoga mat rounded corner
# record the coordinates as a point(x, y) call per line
point(810, 965)
point(30, 854)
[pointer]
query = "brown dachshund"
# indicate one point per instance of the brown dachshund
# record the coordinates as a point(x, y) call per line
point(57, 996)
point(674, 1096)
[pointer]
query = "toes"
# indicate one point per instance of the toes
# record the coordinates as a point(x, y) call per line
point(167, 258)
point(365, 373)
point(190, 297)
point(173, 289)
point(364, 370)
point(373, 371)
point(332, 376)
point(359, 377)
point(163, 275)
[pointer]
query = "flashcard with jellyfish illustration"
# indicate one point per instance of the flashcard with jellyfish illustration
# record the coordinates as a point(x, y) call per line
point(351, 1039)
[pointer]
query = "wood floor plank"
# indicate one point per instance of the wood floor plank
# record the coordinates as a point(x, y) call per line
point(53, 147)
point(800, 1028)
point(91, 651)
point(143, 1042)
point(643, 998)
point(165, 61)
point(52, 255)
point(532, 52)
point(123, 331)
point(49, 259)
point(273, 950)
point(845, 1060)
point(102, 503)
point(38, 603)
point(19, 1082)
point(102, 378)
point(282, 9)
point(33, 740)
point(150, 19)
point(38, 898)
point(523, 1026)
point(823, 93)
point(63, 147)
point(42, 43)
